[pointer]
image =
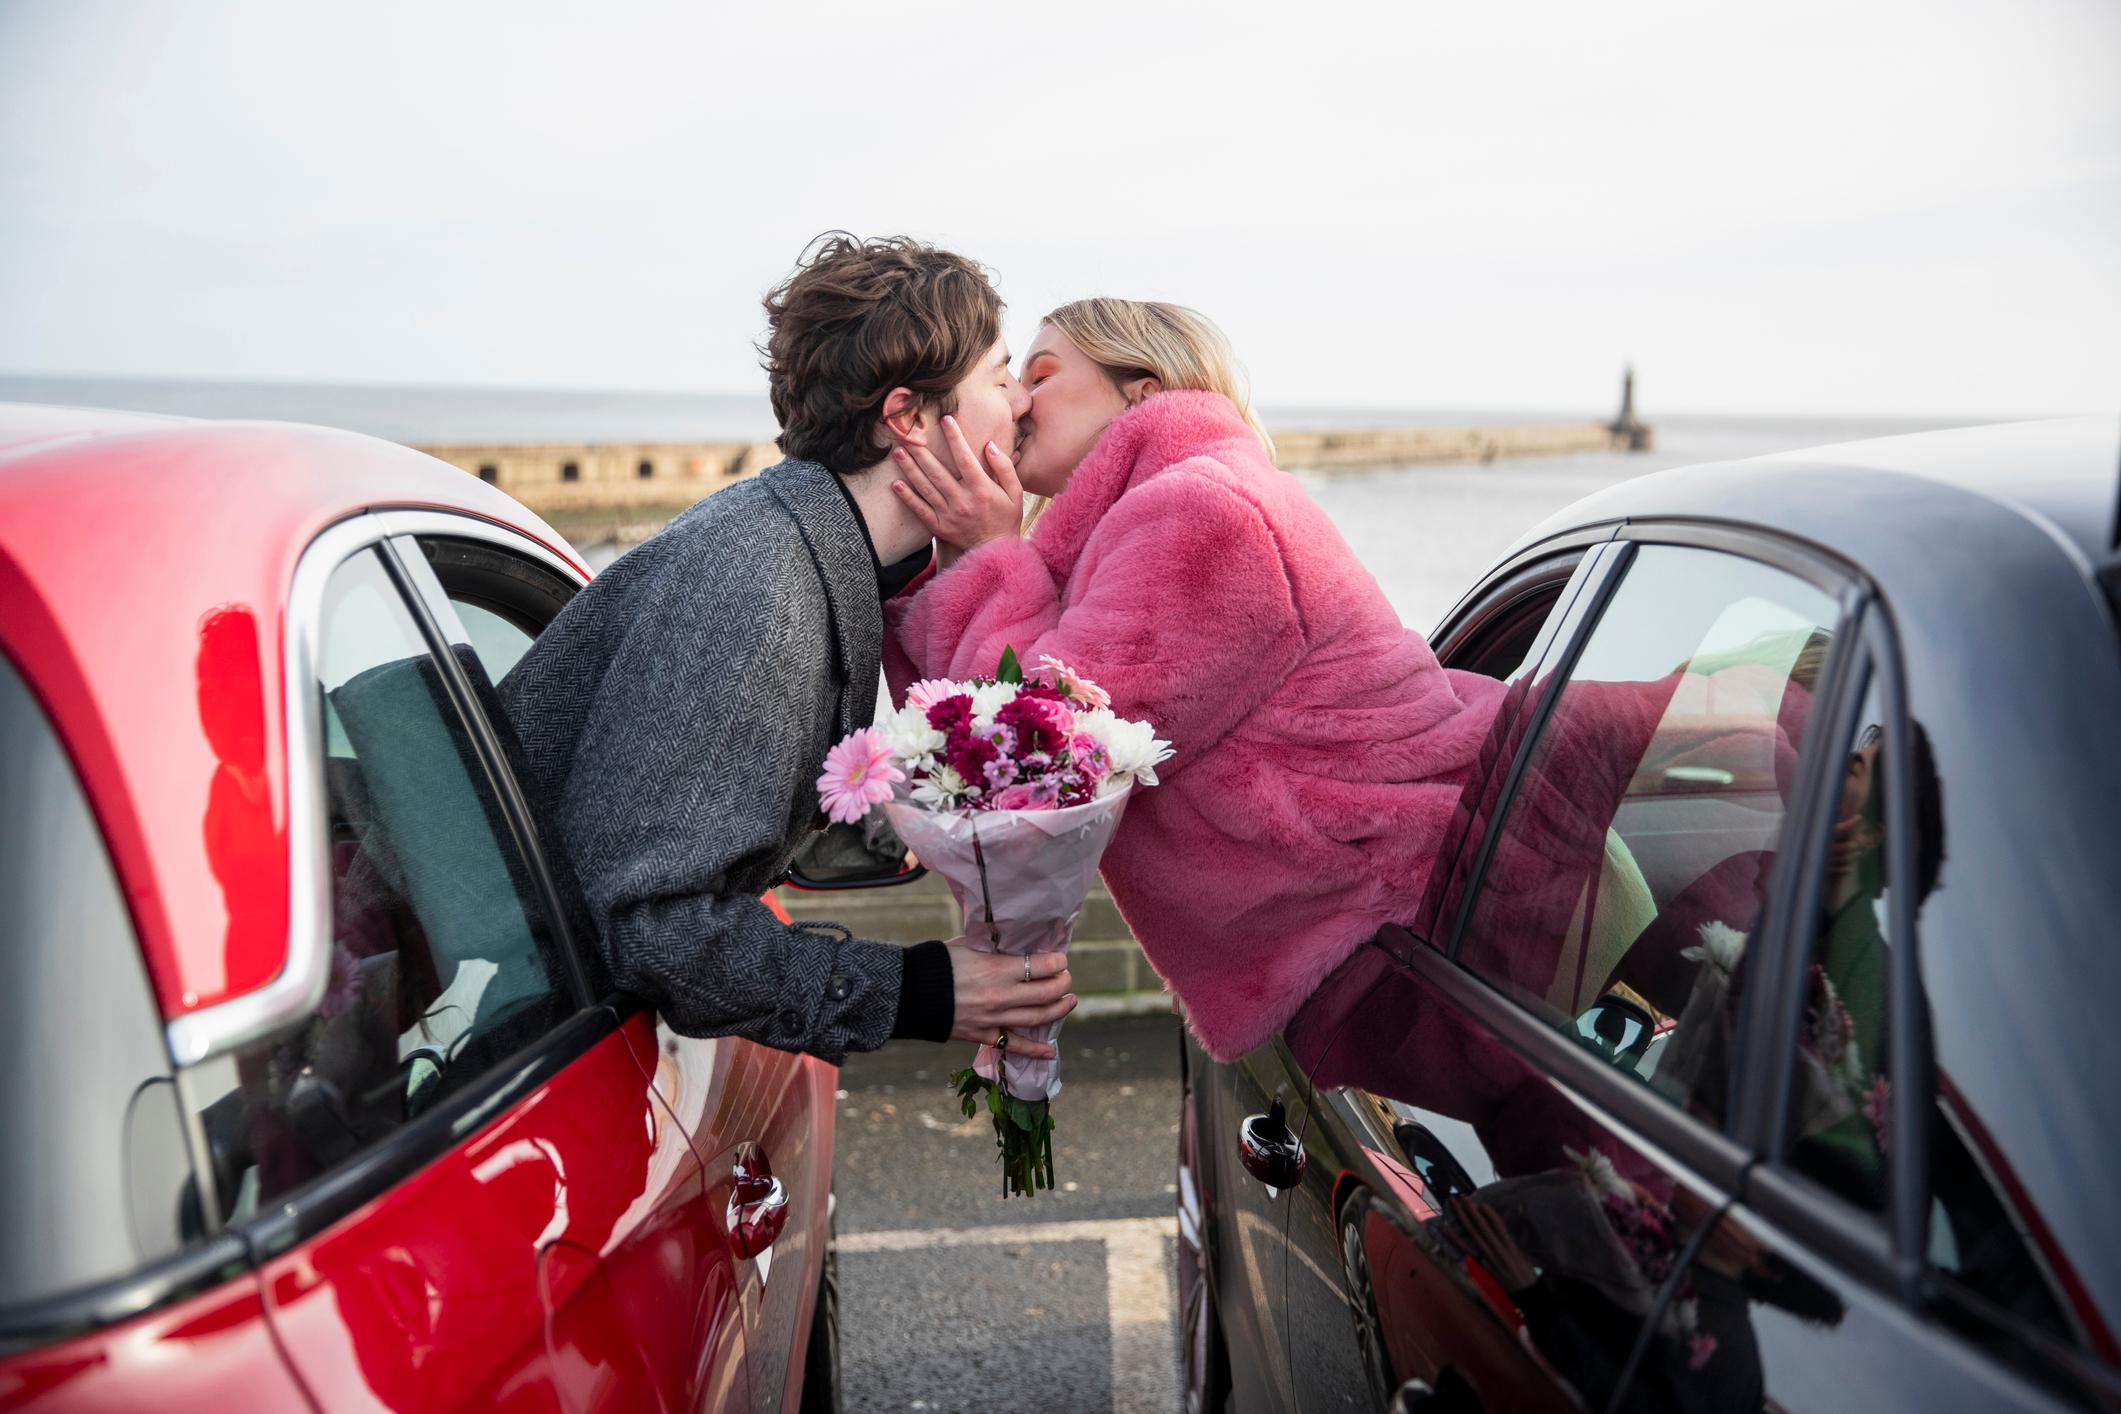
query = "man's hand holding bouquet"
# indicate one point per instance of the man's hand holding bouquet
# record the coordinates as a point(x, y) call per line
point(1009, 787)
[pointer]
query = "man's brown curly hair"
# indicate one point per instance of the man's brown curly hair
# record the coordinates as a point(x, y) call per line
point(859, 318)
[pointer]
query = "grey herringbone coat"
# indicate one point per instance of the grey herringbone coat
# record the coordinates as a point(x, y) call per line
point(674, 718)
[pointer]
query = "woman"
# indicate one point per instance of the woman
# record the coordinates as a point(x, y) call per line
point(1319, 745)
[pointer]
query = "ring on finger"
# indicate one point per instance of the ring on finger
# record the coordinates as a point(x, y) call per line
point(1027, 967)
point(1001, 1041)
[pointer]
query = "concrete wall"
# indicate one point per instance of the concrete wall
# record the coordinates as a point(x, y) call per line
point(609, 475)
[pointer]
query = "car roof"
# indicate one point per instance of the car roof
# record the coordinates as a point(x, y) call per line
point(2062, 475)
point(123, 538)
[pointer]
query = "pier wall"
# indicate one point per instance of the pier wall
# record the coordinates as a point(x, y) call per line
point(561, 477)
point(620, 483)
point(1413, 446)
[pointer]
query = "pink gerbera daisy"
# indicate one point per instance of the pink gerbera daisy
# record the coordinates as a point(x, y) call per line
point(929, 691)
point(1084, 691)
point(858, 775)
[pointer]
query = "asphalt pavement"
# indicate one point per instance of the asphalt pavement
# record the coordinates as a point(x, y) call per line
point(955, 1298)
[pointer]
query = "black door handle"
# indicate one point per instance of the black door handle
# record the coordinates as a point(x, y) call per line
point(1269, 1149)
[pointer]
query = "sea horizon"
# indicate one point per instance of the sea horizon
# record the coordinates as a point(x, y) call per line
point(442, 414)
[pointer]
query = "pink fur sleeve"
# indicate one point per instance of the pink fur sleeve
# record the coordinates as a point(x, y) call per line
point(1180, 607)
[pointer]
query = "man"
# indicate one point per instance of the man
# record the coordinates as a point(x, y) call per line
point(675, 716)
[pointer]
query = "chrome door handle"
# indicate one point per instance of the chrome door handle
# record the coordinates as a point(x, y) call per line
point(1269, 1150)
point(758, 1210)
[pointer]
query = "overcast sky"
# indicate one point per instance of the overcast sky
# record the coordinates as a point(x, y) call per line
point(1795, 207)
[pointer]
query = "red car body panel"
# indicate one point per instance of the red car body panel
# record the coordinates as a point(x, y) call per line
point(538, 1266)
point(183, 752)
point(207, 1355)
point(571, 1252)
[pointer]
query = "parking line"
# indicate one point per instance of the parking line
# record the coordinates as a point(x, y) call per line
point(1137, 1299)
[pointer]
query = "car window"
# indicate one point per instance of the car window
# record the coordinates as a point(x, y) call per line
point(500, 643)
point(93, 1166)
point(442, 963)
point(1626, 874)
point(1840, 1125)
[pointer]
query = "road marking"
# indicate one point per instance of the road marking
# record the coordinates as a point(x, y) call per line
point(1137, 1299)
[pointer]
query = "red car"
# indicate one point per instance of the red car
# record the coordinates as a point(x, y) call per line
point(314, 1096)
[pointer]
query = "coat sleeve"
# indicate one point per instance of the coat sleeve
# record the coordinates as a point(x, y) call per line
point(1180, 607)
point(679, 800)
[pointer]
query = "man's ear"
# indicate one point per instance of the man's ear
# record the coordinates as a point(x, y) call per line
point(906, 418)
point(1136, 389)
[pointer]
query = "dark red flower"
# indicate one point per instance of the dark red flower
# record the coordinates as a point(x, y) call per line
point(968, 755)
point(1042, 723)
point(951, 713)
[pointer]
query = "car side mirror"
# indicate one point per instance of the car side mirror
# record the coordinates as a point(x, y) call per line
point(877, 876)
point(864, 856)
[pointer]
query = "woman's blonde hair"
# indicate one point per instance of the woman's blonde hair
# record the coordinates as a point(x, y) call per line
point(1176, 346)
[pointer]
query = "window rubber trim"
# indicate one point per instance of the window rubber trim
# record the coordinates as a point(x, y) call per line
point(88, 1309)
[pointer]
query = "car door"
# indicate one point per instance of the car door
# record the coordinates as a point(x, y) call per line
point(1261, 1092)
point(1265, 1096)
point(494, 593)
point(1523, 1180)
point(443, 1166)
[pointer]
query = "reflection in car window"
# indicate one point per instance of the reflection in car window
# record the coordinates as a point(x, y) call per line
point(1840, 1101)
point(93, 1167)
point(441, 962)
point(1840, 1124)
point(1628, 872)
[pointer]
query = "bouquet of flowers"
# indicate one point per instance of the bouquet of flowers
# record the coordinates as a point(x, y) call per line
point(1009, 787)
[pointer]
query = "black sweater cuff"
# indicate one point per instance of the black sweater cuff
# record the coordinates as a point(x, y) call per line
point(927, 995)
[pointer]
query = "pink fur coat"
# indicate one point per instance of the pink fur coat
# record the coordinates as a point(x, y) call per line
point(1319, 745)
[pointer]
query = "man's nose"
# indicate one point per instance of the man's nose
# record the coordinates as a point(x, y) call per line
point(1019, 399)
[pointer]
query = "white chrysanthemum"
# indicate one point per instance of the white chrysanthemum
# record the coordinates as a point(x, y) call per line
point(1721, 947)
point(1605, 1179)
point(988, 700)
point(1134, 747)
point(913, 742)
point(944, 789)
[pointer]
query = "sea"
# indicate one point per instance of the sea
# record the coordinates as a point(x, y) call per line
point(1426, 532)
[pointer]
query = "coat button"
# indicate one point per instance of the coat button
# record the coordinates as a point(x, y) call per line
point(791, 1022)
point(839, 989)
